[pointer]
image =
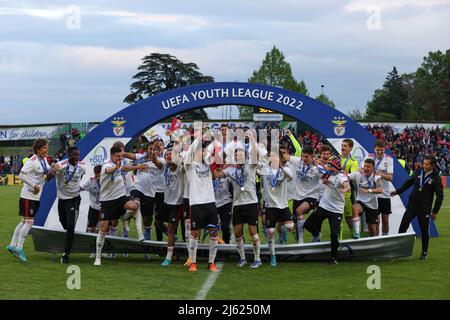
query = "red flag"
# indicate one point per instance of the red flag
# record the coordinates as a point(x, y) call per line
point(175, 125)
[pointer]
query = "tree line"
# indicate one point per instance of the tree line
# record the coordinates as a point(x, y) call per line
point(420, 95)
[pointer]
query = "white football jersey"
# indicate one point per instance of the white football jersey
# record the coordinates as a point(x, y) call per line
point(386, 166)
point(275, 186)
point(244, 177)
point(34, 171)
point(68, 179)
point(174, 185)
point(306, 180)
point(333, 199)
point(92, 185)
point(112, 185)
point(362, 181)
point(222, 191)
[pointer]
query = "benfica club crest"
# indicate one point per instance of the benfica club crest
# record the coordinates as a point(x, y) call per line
point(339, 129)
point(118, 128)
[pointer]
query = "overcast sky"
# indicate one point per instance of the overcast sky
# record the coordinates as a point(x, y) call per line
point(53, 71)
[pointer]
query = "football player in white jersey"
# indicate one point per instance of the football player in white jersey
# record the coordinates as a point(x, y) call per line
point(173, 199)
point(69, 173)
point(33, 175)
point(92, 185)
point(113, 199)
point(306, 186)
point(331, 205)
point(275, 177)
point(224, 200)
point(144, 184)
point(245, 199)
point(367, 186)
point(384, 167)
point(202, 201)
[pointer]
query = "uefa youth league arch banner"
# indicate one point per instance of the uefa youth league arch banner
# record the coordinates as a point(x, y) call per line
point(135, 119)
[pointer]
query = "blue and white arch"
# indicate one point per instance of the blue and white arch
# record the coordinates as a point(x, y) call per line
point(139, 117)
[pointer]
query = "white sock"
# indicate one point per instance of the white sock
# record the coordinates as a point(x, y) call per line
point(213, 244)
point(113, 231)
point(240, 247)
point(356, 224)
point(16, 233)
point(138, 217)
point(193, 245)
point(23, 234)
point(100, 242)
point(169, 253)
point(271, 233)
point(385, 234)
point(128, 215)
point(187, 229)
point(300, 224)
point(256, 247)
point(317, 238)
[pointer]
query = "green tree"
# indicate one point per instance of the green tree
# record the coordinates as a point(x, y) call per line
point(392, 99)
point(356, 114)
point(325, 99)
point(274, 71)
point(160, 72)
point(431, 88)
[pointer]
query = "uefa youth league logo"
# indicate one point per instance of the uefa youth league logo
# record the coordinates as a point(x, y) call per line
point(99, 157)
point(339, 129)
point(118, 129)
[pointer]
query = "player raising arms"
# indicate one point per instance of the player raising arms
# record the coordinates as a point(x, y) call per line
point(306, 186)
point(33, 175)
point(202, 200)
point(113, 197)
point(331, 205)
point(245, 200)
point(69, 173)
point(275, 176)
point(173, 199)
point(367, 186)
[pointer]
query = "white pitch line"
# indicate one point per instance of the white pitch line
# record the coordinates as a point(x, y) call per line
point(209, 282)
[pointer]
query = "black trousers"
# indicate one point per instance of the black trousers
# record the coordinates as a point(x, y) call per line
point(314, 224)
point(160, 227)
point(225, 219)
point(68, 215)
point(423, 215)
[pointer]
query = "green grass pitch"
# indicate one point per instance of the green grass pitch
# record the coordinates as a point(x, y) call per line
point(43, 277)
